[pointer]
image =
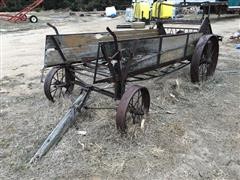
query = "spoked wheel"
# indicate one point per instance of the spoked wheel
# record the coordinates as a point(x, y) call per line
point(133, 107)
point(205, 58)
point(58, 83)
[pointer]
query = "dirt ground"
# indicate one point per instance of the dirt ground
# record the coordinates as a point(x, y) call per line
point(192, 132)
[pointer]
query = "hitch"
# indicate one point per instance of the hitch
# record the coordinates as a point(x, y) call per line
point(62, 127)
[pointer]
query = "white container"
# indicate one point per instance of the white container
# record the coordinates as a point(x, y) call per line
point(110, 11)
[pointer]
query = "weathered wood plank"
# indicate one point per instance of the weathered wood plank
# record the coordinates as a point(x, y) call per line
point(62, 127)
point(81, 40)
point(173, 48)
point(77, 46)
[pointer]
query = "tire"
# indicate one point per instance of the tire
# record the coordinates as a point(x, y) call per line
point(33, 19)
point(204, 59)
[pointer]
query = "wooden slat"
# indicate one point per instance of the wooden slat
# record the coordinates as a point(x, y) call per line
point(84, 40)
point(172, 49)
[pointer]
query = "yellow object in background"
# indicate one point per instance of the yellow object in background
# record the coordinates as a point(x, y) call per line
point(162, 9)
point(155, 9)
point(141, 10)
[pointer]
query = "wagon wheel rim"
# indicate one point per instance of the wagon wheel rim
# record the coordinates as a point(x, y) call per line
point(55, 85)
point(208, 57)
point(205, 58)
point(133, 108)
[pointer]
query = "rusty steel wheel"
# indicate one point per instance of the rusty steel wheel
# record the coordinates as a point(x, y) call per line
point(134, 104)
point(56, 84)
point(205, 58)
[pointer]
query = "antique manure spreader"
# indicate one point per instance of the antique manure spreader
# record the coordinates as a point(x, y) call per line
point(119, 59)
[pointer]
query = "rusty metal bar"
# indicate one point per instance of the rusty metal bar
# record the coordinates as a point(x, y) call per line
point(96, 65)
point(159, 50)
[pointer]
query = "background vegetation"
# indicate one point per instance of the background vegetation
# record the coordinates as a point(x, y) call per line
point(75, 5)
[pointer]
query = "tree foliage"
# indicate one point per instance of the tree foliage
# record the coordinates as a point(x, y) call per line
point(75, 5)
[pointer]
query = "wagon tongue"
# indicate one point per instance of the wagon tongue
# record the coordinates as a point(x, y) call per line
point(65, 123)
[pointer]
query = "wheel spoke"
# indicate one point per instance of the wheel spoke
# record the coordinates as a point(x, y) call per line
point(206, 61)
point(203, 59)
point(209, 69)
point(141, 107)
point(62, 79)
point(139, 96)
point(133, 117)
point(136, 107)
point(131, 103)
point(53, 90)
point(62, 74)
point(60, 92)
point(67, 90)
point(53, 84)
point(57, 76)
point(136, 104)
point(54, 93)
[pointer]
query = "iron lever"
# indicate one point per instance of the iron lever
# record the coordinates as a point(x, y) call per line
point(114, 38)
point(54, 28)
